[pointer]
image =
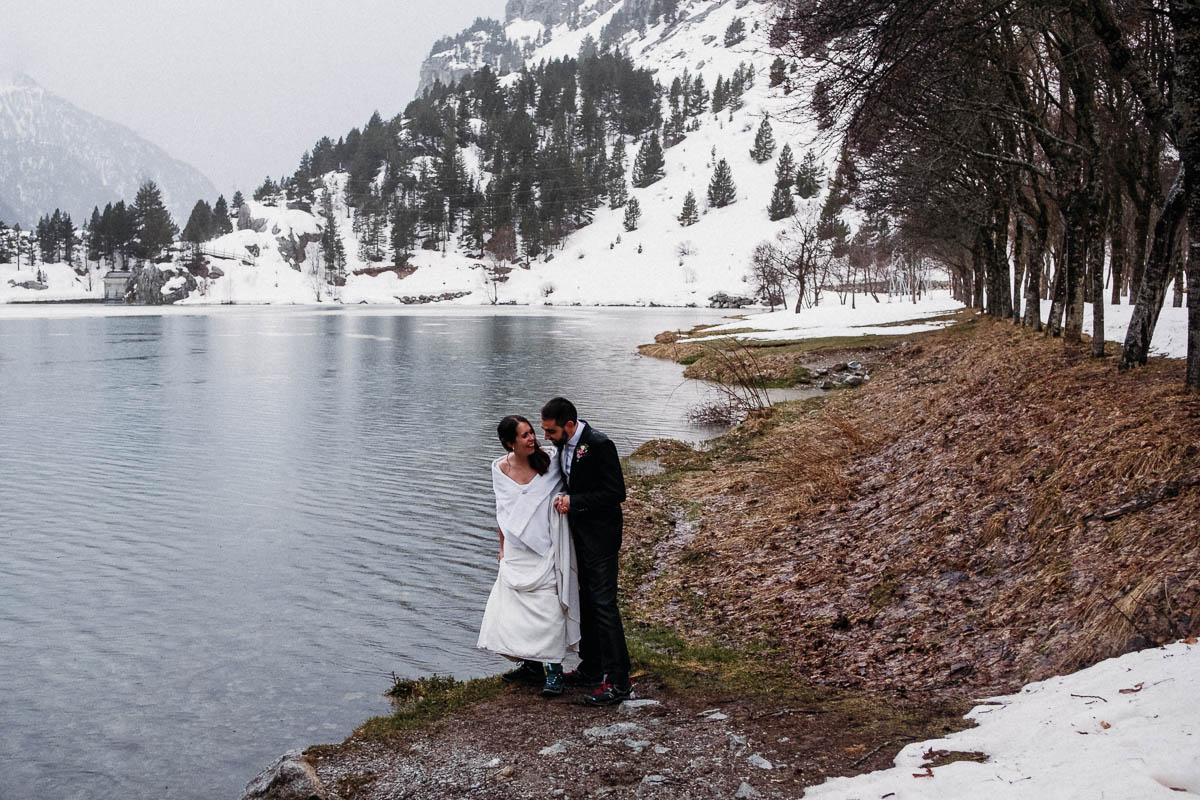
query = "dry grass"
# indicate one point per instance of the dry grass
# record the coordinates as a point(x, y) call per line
point(1028, 511)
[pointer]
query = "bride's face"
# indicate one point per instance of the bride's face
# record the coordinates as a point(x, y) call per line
point(526, 440)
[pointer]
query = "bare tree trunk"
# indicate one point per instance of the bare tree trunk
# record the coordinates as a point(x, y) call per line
point(1153, 288)
point(1033, 287)
point(978, 270)
point(1074, 269)
point(1057, 296)
point(1018, 260)
point(1177, 280)
point(1096, 245)
point(999, 291)
point(1097, 268)
point(1116, 229)
point(1141, 234)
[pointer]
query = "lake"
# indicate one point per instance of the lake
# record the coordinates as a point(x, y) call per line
point(223, 530)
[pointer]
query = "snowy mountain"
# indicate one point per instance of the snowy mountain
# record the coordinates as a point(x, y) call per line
point(596, 259)
point(54, 155)
point(452, 58)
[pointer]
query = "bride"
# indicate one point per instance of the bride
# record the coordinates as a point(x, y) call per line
point(532, 614)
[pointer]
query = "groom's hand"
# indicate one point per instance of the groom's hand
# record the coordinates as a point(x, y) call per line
point(562, 503)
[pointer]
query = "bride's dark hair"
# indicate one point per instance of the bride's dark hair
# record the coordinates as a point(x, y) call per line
point(507, 431)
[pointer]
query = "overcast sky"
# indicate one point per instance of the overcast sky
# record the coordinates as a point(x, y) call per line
point(239, 89)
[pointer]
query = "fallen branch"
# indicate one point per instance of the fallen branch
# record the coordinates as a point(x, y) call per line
point(885, 744)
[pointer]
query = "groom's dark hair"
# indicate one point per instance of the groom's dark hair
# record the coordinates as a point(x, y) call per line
point(561, 410)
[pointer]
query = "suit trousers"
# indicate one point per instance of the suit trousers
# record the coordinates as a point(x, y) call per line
point(602, 648)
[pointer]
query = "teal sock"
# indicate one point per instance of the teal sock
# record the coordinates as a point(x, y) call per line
point(554, 669)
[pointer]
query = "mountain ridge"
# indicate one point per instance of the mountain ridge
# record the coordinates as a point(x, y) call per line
point(55, 155)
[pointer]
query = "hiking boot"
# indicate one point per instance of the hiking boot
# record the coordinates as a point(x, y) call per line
point(609, 694)
point(553, 686)
point(529, 673)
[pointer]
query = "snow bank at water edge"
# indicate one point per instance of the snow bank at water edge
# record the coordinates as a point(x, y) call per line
point(61, 283)
point(1128, 727)
point(831, 318)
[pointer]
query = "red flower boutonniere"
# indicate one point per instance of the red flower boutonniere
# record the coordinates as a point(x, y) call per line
point(581, 451)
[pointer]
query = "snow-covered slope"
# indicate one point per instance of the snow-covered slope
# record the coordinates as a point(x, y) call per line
point(54, 155)
point(662, 262)
point(1124, 728)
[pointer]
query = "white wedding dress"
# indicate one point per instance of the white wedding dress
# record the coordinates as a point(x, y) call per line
point(532, 613)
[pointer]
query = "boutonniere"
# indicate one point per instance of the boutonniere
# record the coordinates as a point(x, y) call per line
point(581, 451)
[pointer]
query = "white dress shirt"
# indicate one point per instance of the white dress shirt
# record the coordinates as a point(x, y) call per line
point(568, 450)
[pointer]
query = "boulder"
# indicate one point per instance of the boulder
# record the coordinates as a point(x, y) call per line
point(289, 778)
point(38, 285)
point(723, 300)
point(747, 792)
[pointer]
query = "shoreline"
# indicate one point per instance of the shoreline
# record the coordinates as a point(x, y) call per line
point(849, 571)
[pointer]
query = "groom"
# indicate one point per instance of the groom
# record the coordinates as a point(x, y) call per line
point(592, 503)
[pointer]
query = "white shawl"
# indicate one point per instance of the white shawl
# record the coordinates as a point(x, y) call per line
point(516, 505)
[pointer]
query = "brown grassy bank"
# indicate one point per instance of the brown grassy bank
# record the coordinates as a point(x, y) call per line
point(989, 510)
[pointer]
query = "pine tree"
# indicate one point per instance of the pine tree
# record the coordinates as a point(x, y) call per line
point(736, 32)
point(66, 235)
point(633, 213)
point(268, 191)
point(45, 239)
point(778, 72)
point(721, 189)
point(781, 204)
point(200, 224)
point(220, 213)
point(617, 191)
point(94, 236)
point(809, 176)
point(332, 249)
point(404, 233)
point(152, 222)
point(689, 216)
point(720, 94)
point(785, 168)
point(5, 247)
point(764, 142)
point(474, 232)
point(649, 163)
point(696, 99)
point(238, 201)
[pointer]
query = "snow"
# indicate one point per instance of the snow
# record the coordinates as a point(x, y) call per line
point(832, 318)
point(62, 283)
point(1128, 727)
point(521, 30)
point(1170, 334)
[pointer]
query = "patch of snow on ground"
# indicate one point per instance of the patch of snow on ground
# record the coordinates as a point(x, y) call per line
point(1170, 334)
point(61, 283)
point(831, 318)
point(1127, 727)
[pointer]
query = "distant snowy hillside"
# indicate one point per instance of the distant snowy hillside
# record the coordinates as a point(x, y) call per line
point(661, 262)
point(54, 155)
point(411, 209)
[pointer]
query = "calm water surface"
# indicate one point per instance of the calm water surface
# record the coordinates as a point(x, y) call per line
point(222, 532)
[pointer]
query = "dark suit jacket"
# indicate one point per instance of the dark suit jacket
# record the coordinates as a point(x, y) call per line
point(596, 487)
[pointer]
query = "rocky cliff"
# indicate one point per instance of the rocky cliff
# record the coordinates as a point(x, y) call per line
point(572, 13)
